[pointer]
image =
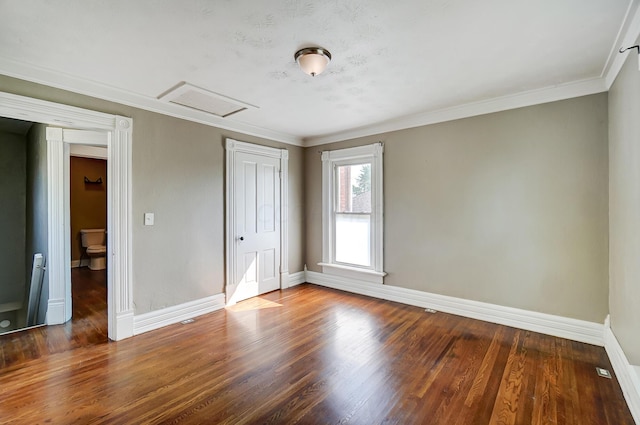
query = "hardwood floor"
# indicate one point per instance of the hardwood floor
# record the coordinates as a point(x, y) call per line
point(88, 325)
point(312, 355)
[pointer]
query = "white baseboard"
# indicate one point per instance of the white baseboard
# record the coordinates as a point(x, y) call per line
point(122, 326)
point(563, 327)
point(284, 280)
point(296, 279)
point(167, 316)
point(55, 311)
point(79, 263)
point(626, 373)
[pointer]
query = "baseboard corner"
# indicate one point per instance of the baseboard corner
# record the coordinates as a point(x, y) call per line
point(297, 278)
point(627, 377)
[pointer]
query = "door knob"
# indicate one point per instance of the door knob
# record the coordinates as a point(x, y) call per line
point(241, 238)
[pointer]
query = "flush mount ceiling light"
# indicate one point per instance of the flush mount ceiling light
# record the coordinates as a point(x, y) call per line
point(313, 60)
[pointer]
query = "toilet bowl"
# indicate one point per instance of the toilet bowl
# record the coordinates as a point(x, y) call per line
point(94, 240)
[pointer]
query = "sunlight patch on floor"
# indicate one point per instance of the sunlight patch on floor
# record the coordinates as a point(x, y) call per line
point(253, 304)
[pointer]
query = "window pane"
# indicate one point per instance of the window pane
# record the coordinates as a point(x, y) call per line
point(353, 239)
point(354, 188)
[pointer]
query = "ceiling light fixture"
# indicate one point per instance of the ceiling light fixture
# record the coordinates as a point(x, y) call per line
point(313, 60)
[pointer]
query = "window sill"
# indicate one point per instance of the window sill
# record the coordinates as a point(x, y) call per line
point(366, 275)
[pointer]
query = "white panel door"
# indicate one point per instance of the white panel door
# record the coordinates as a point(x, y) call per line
point(257, 219)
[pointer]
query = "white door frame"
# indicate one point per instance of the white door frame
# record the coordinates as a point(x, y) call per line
point(69, 138)
point(232, 147)
point(119, 266)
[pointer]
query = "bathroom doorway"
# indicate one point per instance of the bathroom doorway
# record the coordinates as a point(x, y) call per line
point(116, 132)
point(88, 223)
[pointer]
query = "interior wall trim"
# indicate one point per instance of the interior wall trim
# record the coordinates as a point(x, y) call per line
point(627, 36)
point(488, 106)
point(627, 377)
point(59, 305)
point(296, 278)
point(119, 282)
point(563, 327)
point(167, 316)
point(59, 80)
point(80, 263)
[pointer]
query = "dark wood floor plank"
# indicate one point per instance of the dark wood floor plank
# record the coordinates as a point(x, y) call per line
point(307, 355)
point(508, 398)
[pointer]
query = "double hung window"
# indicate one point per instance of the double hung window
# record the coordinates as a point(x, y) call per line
point(352, 208)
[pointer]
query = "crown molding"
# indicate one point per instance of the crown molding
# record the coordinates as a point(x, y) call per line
point(518, 100)
point(41, 75)
point(629, 32)
point(627, 36)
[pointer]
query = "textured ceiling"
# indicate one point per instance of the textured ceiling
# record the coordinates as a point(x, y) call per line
point(390, 58)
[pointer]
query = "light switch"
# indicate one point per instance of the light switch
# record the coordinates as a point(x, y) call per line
point(148, 219)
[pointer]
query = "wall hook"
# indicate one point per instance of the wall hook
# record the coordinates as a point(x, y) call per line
point(98, 181)
point(622, 49)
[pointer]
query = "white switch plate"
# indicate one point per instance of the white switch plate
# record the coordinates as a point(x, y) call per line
point(148, 219)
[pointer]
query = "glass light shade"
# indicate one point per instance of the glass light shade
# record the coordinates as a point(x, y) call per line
point(313, 60)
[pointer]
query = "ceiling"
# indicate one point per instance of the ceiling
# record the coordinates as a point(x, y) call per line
point(395, 63)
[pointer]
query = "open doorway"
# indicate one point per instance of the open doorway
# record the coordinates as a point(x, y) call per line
point(118, 130)
point(88, 218)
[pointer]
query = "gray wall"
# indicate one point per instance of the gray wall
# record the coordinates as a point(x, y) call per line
point(13, 187)
point(624, 208)
point(507, 208)
point(178, 173)
point(37, 216)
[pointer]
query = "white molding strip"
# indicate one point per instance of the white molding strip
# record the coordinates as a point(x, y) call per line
point(79, 263)
point(55, 310)
point(86, 137)
point(59, 304)
point(626, 37)
point(625, 372)
point(297, 278)
point(563, 327)
point(94, 152)
point(40, 75)
point(518, 100)
point(119, 230)
point(167, 316)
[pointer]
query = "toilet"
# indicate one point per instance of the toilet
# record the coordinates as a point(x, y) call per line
point(94, 241)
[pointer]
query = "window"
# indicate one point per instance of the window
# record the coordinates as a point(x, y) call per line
point(352, 213)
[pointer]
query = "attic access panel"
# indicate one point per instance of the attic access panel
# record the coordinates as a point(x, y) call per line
point(193, 97)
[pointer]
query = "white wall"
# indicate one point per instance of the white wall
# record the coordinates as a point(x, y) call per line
point(624, 208)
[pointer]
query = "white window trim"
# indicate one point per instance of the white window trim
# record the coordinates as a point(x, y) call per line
point(370, 153)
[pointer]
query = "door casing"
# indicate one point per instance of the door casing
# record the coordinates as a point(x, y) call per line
point(67, 137)
point(119, 128)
